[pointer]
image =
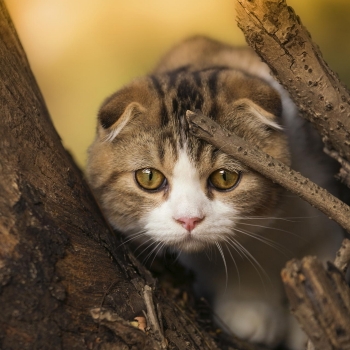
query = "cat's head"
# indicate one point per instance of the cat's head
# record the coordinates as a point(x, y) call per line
point(153, 178)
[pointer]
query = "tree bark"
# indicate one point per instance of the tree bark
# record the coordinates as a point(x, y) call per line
point(65, 281)
point(320, 300)
point(278, 36)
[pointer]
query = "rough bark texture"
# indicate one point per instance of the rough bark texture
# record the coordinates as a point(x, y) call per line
point(342, 259)
point(210, 131)
point(52, 267)
point(277, 35)
point(63, 282)
point(320, 300)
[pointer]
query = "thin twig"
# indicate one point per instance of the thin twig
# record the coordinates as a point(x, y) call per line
point(344, 171)
point(152, 316)
point(208, 130)
point(122, 329)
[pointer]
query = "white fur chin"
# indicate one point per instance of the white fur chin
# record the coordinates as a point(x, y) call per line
point(187, 199)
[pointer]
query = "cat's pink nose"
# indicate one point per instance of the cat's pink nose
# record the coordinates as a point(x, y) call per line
point(189, 223)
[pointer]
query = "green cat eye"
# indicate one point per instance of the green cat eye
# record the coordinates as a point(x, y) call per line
point(224, 180)
point(150, 179)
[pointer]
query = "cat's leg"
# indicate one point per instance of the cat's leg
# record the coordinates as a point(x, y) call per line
point(295, 338)
point(256, 320)
point(249, 299)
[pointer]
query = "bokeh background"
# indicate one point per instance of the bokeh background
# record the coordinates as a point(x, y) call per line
point(83, 50)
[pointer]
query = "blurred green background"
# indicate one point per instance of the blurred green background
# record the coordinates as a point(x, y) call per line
point(83, 50)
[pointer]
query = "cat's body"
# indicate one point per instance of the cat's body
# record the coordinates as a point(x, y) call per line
point(162, 187)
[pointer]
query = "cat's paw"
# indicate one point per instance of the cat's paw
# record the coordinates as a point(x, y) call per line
point(296, 338)
point(255, 321)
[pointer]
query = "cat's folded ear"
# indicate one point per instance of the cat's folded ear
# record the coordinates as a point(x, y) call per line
point(260, 127)
point(247, 106)
point(123, 106)
point(253, 102)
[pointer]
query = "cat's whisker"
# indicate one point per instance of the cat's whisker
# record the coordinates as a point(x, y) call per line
point(152, 242)
point(235, 264)
point(236, 249)
point(209, 251)
point(132, 237)
point(279, 247)
point(223, 259)
point(142, 244)
point(154, 250)
point(264, 218)
point(178, 254)
point(255, 263)
point(285, 218)
point(271, 228)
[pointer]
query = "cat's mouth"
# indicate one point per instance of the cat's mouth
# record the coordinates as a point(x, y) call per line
point(190, 243)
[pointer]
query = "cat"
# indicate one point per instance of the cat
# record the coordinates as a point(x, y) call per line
point(166, 189)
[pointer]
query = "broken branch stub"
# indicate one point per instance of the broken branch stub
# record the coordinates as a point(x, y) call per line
point(319, 299)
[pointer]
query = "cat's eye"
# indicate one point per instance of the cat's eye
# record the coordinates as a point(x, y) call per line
point(224, 180)
point(150, 179)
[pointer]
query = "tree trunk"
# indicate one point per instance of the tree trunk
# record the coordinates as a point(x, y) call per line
point(53, 266)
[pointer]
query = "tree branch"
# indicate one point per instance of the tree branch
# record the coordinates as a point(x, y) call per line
point(208, 130)
point(277, 35)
